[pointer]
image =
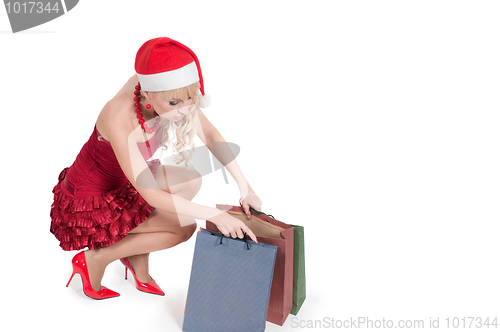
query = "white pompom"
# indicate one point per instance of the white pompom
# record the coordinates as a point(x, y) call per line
point(205, 101)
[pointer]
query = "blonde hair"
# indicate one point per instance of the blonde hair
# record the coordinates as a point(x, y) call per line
point(185, 128)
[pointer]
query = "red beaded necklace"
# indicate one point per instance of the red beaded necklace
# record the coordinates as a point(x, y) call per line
point(137, 98)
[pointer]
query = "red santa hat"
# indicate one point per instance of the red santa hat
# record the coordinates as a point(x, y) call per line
point(164, 64)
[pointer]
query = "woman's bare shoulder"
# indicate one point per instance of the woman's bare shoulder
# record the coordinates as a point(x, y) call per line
point(131, 83)
point(116, 114)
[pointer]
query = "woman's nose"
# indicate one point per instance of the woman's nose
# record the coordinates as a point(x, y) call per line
point(183, 110)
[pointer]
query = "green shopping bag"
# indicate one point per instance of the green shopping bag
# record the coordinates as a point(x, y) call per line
point(299, 269)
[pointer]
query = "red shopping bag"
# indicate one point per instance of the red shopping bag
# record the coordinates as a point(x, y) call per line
point(271, 231)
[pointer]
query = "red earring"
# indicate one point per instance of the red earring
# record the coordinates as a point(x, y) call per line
point(148, 106)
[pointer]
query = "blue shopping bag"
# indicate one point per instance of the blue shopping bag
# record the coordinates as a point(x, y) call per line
point(229, 285)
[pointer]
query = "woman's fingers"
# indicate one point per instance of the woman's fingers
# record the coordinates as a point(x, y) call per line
point(246, 208)
point(249, 232)
point(239, 233)
point(235, 228)
point(225, 232)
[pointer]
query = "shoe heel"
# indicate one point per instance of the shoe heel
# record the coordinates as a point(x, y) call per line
point(80, 267)
point(150, 287)
point(71, 278)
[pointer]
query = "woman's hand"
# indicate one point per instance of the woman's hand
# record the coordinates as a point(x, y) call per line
point(231, 226)
point(250, 199)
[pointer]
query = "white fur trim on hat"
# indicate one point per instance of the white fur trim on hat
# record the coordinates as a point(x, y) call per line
point(170, 80)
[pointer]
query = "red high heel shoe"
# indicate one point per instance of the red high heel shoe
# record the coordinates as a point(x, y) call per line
point(80, 267)
point(150, 287)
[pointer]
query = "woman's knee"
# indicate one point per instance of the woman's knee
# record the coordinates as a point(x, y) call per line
point(172, 238)
point(182, 181)
point(186, 232)
point(194, 184)
point(190, 186)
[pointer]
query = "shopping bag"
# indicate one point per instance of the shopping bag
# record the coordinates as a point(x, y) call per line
point(230, 284)
point(299, 269)
point(271, 231)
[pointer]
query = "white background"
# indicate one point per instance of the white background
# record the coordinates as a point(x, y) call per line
point(372, 123)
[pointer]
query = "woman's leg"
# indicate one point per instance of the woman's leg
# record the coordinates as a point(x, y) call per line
point(160, 231)
point(140, 264)
point(181, 182)
point(132, 245)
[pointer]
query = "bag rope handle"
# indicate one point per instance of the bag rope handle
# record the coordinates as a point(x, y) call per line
point(260, 212)
point(252, 210)
point(244, 239)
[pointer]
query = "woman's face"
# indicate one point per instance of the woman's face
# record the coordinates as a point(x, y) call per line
point(173, 109)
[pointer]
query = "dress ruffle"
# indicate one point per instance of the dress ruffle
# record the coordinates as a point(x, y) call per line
point(96, 221)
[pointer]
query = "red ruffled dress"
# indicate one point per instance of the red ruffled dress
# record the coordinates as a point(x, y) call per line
point(94, 203)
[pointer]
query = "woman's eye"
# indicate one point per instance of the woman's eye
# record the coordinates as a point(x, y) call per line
point(175, 102)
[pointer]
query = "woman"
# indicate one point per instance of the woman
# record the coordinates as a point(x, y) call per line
point(119, 206)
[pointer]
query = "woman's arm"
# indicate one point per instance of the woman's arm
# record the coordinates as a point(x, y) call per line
point(221, 150)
